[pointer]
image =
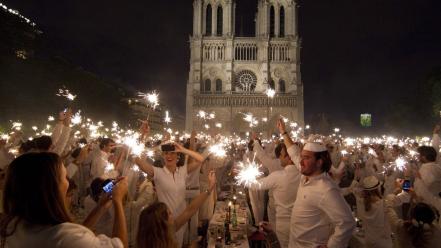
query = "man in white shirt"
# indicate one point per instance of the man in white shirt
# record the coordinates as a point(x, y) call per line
point(319, 206)
point(283, 184)
point(430, 171)
point(101, 158)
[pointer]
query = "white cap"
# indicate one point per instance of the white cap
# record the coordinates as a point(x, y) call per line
point(315, 147)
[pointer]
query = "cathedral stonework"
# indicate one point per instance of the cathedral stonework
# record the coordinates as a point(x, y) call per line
point(229, 75)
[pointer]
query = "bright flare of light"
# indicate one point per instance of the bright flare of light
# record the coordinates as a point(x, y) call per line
point(248, 173)
point(218, 150)
point(344, 152)
point(250, 119)
point(218, 125)
point(151, 98)
point(270, 93)
point(17, 126)
point(77, 118)
point(400, 163)
point(109, 167)
point(34, 128)
point(66, 93)
point(167, 118)
point(307, 127)
point(372, 152)
point(132, 141)
point(336, 130)
point(50, 118)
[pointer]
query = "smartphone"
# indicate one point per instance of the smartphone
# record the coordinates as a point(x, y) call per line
point(167, 148)
point(406, 185)
point(109, 187)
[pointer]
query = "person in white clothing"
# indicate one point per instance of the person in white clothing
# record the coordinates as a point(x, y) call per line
point(272, 164)
point(170, 180)
point(101, 158)
point(319, 204)
point(430, 171)
point(35, 214)
point(283, 184)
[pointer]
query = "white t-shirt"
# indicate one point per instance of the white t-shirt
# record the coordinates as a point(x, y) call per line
point(66, 235)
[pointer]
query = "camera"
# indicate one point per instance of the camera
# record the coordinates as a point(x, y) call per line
point(167, 148)
point(108, 187)
point(406, 185)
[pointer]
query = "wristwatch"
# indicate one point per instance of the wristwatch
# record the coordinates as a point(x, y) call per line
point(284, 133)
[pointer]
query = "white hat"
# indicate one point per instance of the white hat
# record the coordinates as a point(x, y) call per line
point(370, 183)
point(315, 147)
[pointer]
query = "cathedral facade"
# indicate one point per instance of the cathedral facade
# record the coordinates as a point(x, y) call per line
point(230, 75)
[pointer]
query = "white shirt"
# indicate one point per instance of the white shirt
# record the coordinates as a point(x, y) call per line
point(284, 184)
point(270, 163)
point(99, 163)
point(431, 176)
point(318, 206)
point(170, 188)
point(66, 235)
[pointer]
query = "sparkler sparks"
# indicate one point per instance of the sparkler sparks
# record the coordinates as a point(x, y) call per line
point(167, 118)
point(76, 118)
point(400, 163)
point(218, 150)
point(250, 119)
point(248, 173)
point(63, 92)
point(270, 93)
point(151, 98)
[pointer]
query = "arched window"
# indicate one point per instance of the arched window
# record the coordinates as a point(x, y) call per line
point(220, 20)
point(272, 21)
point(219, 86)
point(207, 86)
point(272, 84)
point(208, 14)
point(282, 22)
point(282, 88)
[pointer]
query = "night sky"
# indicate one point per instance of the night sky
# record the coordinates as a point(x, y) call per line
point(357, 55)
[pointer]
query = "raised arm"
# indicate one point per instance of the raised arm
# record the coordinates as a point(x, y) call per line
point(268, 162)
point(284, 134)
point(197, 157)
point(145, 166)
point(197, 202)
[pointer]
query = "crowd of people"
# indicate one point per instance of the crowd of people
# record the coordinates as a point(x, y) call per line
point(73, 189)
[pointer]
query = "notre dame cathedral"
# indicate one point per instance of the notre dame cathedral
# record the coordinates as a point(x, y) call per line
point(229, 75)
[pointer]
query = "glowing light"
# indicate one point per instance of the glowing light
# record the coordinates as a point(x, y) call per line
point(344, 152)
point(167, 118)
point(250, 119)
point(372, 152)
point(76, 118)
point(63, 92)
point(109, 167)
point(270, 93)
point(218, 125)
point(218, 150)
point(248, 173)
point(336, 130)
point(400, 163)
point(151, 98)
point(34, 128)
point(17, 126)
point(307, 127)
point(50, 118)
point(132, 141)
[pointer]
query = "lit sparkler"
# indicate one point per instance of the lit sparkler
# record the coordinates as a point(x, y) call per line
point(66, 93)
point(270, 93)
point(77, 118)
point(248, 173)
point(167, 118)
point(151, 98)
point(218, 150)
point(400, 163)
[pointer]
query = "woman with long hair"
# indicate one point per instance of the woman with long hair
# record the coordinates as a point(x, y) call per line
point(35, 212)
point(157, 225)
